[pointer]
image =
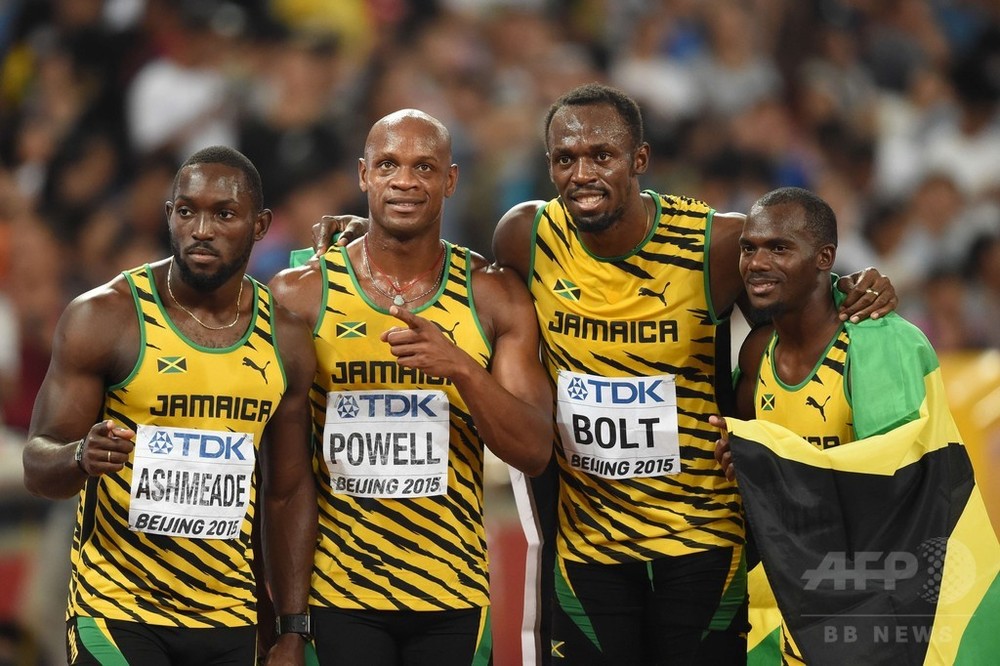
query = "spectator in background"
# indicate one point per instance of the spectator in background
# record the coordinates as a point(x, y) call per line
point(182, 99)
point(736, 72)
point(967, 147)
point(983, 269)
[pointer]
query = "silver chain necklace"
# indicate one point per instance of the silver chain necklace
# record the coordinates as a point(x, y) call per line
point(192, 315)
point(397, 299)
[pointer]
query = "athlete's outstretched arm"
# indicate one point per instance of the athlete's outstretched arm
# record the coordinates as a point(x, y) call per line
point(95, 344)
point(287, 488)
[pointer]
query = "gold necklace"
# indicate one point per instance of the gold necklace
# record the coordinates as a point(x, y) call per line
point(398, 298)
point(192, 315)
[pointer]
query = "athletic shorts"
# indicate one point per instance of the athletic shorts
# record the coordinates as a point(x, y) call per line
point(93, 641)
point(402, 638)
point(688, 609)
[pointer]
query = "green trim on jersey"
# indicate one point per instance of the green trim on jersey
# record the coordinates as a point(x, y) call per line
point(92, 635)
point(484, 641)
point(361, 292)
point(818, 406)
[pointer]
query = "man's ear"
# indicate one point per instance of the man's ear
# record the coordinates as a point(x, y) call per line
point(452, 183)
point(640, 161)
point(262, 223)
point(826, 256)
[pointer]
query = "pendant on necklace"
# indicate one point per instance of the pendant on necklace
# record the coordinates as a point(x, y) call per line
point(398, 300)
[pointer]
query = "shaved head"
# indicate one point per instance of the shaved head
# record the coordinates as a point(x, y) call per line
point(409, 119)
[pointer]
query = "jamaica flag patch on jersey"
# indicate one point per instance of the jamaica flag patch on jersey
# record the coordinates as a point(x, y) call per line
point(171, 365)
point(351, 329)
point(566, 289)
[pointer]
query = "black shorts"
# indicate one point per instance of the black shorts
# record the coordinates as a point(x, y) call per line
point(688, 609)
point(402, 638)
point(98, 642)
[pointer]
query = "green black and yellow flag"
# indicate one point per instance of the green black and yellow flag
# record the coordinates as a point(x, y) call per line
point(878, 551)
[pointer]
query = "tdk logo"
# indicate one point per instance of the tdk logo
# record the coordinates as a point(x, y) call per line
point(616, 392)
point(202, 445)
point(161, 443)
point(396, 405)
point(347, 407)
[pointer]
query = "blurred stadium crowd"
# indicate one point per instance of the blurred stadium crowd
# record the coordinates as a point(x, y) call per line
point(886, 108)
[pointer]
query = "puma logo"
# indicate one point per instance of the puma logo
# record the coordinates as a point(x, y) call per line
point(810, 401)
point(449, 332)
point(250, 364)
point(646, 291)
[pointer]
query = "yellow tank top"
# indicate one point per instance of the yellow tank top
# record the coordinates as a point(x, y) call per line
point(631, 334)
point(818, 409)
point(204, 411)
point(408, 535)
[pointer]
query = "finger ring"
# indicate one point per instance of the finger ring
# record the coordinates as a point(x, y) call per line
point(109, 456)
point(871, 291)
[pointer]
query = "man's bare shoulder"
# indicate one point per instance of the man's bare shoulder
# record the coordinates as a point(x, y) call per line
point(111, 299)
point(296, 277)
point(729, 221)
point(512, 236)
point(299, 289)
point(499, 291)
point(98, 330)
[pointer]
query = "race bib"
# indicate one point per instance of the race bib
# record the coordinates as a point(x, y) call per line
point(619, 428)
point(387, 444)
point(190, 483)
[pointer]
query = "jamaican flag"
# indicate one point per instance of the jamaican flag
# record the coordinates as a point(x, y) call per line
point(878, 551)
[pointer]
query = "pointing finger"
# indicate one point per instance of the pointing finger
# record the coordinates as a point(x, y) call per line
point(404, 315)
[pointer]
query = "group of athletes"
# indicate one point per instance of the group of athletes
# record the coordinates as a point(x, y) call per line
point(314, 448)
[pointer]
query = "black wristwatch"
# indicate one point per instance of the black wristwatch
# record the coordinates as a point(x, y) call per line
point(299, 624)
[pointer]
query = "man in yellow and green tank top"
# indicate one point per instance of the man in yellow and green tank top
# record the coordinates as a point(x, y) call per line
point(427, 355)
point(176, 406)
point(865, 477)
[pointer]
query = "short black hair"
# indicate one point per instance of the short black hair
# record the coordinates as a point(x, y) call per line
point(597, 93)
point(821, 221)
point(232, 158)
